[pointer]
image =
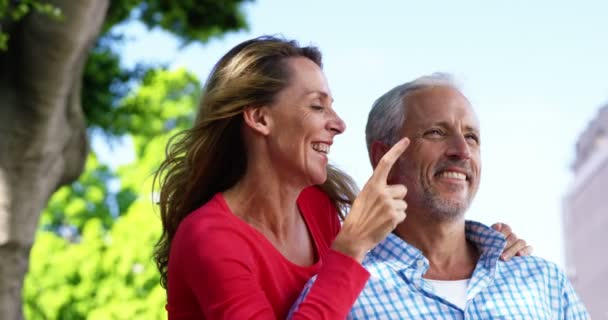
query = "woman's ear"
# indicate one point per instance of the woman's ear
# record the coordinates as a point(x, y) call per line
point(257, 119)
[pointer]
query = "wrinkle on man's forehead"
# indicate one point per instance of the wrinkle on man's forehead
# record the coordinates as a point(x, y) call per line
point(440, 106)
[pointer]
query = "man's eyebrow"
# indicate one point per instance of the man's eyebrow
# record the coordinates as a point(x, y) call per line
point(446, 124)
point(472, 128)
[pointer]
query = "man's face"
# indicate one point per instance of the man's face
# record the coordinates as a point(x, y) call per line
point(442, 165)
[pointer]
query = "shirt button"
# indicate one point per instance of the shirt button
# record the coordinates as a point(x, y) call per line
point(420, 263)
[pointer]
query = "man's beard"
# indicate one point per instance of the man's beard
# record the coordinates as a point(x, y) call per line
point(441, 209)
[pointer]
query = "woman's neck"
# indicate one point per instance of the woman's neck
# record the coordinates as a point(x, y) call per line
point(265, 202)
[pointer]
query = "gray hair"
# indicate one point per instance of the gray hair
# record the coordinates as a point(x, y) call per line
point(389, 111)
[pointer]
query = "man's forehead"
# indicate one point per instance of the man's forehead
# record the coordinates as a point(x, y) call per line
point(440, 106)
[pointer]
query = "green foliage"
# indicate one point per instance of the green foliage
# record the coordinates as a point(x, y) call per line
point(194, 20)
point(103, 70)
point(85, 199)
point(138, 115)
point(3, 41)
point(120, 11)
point(14, 11)
point(108, 274)
point(106, 270)
point(187, 20)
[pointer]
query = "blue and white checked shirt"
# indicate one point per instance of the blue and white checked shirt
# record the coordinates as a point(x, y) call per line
point(521, 288)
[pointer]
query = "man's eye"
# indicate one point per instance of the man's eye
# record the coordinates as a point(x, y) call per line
point(473, 137)
point(318, 108)
point(434, 133)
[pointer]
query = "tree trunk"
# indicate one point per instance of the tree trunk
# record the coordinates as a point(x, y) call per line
point(42, 128)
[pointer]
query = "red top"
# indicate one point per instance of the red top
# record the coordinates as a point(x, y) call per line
point(222, 268)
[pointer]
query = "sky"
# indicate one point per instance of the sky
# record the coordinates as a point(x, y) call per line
point(536, 73)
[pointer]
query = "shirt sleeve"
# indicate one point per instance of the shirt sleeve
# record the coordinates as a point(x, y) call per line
point(225, 285)
point(333, 291)
point(571, 305)
point(222, 280)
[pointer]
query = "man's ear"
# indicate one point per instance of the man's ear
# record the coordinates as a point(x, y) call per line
point(379, 148)
point(257, 119)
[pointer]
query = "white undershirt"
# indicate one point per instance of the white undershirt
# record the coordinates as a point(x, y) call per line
point(454, 291)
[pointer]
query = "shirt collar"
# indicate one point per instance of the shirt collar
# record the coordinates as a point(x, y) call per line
point(400, 255)
point(395, 252)
point(488, 241)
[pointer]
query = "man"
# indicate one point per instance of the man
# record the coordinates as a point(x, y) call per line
point(436, 265)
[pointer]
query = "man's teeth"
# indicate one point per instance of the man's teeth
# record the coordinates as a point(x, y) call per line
point(321, 147)
point(453, 175)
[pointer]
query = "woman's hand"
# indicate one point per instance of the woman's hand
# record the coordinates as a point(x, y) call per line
point(377, 210)
point(515, 246)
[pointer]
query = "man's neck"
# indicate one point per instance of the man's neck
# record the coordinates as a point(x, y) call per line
point(443, 243)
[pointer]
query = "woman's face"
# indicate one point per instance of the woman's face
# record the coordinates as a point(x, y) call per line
point(303, 125)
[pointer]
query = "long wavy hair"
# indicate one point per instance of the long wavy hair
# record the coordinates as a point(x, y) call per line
point(210, 157)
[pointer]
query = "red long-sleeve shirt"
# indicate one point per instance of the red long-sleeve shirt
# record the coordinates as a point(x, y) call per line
point(222, 268)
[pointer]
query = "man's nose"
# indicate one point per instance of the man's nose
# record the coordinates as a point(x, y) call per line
point(459, 148)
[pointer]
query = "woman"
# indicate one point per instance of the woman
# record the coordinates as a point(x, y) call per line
point(249, 203)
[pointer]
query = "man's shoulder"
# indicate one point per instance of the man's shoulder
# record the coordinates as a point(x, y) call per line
point(542, 282)
point(532, 263)
point(375, 265)
point(529, 268)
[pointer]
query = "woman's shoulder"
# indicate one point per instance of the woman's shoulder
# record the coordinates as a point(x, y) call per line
point(313, 201)
point(213, 211)
point(211, 240)
point(314, 195)
point(210, 222)
point(319, 210)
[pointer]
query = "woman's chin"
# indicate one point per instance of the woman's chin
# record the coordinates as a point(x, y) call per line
point(319, 179)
